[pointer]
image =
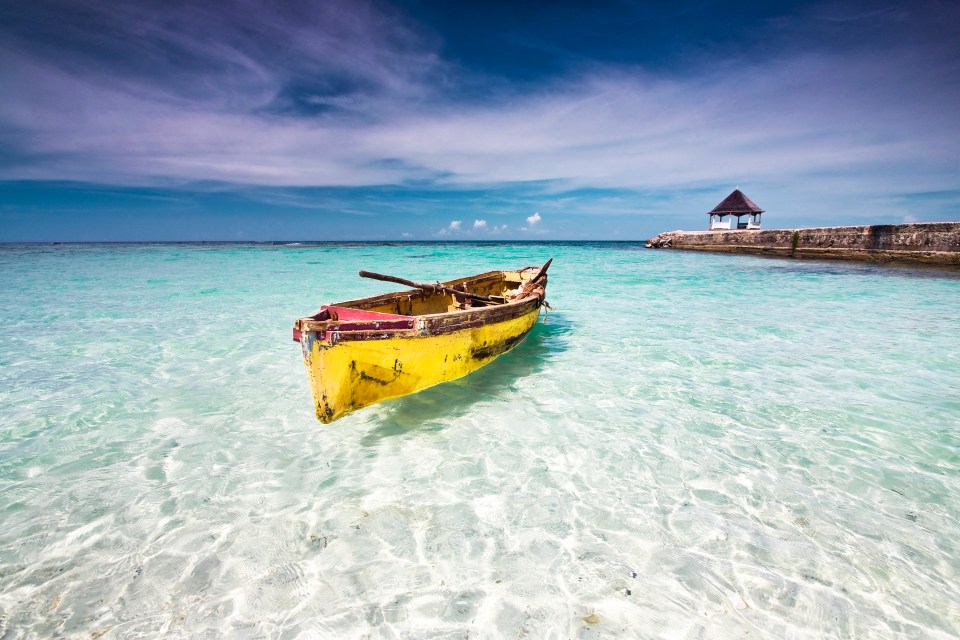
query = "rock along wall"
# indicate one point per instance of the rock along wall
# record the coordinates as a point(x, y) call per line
point(925, 242)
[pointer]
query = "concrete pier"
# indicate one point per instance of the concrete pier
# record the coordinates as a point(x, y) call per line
point(935, 243)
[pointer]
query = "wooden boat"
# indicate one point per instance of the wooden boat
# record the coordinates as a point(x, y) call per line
point(363, 351)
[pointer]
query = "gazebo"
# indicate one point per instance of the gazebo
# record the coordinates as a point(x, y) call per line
point(739, 205)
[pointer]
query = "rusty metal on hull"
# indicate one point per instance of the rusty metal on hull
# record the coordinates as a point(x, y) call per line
point(362, 351)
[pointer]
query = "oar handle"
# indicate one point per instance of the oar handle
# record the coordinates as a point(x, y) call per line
point(409, 283)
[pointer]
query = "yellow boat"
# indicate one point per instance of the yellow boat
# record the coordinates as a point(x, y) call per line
point(363, 351)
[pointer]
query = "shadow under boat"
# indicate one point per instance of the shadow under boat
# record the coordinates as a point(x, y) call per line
point(432, 408)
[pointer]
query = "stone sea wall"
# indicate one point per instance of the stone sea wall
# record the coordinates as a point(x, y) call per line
point(924, 242)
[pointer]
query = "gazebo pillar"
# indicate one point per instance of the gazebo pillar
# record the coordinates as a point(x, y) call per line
point(717, 223)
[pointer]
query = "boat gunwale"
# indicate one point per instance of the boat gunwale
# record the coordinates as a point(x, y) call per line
point(426, 325)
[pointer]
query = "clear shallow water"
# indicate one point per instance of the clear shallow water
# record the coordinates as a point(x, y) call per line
point(691, 446)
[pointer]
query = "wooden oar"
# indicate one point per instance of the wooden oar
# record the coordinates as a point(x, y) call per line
point(543, 270)
point(427, 287)
point(531, 284)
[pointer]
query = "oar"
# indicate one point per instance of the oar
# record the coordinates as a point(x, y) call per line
point(531, 284)
point(543, 270)
point(426, 287)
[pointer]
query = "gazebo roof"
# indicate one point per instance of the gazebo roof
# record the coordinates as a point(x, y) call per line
point(736, 203)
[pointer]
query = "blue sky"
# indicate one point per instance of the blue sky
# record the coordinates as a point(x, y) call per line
point(427, 120)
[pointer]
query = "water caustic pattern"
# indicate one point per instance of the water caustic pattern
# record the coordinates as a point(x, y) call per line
point(691, 446)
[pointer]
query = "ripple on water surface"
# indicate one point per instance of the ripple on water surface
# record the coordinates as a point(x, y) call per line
point(692, 445)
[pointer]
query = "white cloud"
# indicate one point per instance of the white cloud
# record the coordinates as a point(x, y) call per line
point(406, 234)
point(479, 224)
point(534, 219)
point(453, 227)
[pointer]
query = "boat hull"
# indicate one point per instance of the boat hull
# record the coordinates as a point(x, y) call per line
point(354, 374)
point(363, 351)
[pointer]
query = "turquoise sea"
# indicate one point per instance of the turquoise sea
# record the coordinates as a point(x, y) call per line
point(691, 446)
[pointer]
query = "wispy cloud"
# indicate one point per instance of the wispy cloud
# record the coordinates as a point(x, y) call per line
point(612, 130)
point(339, 94)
